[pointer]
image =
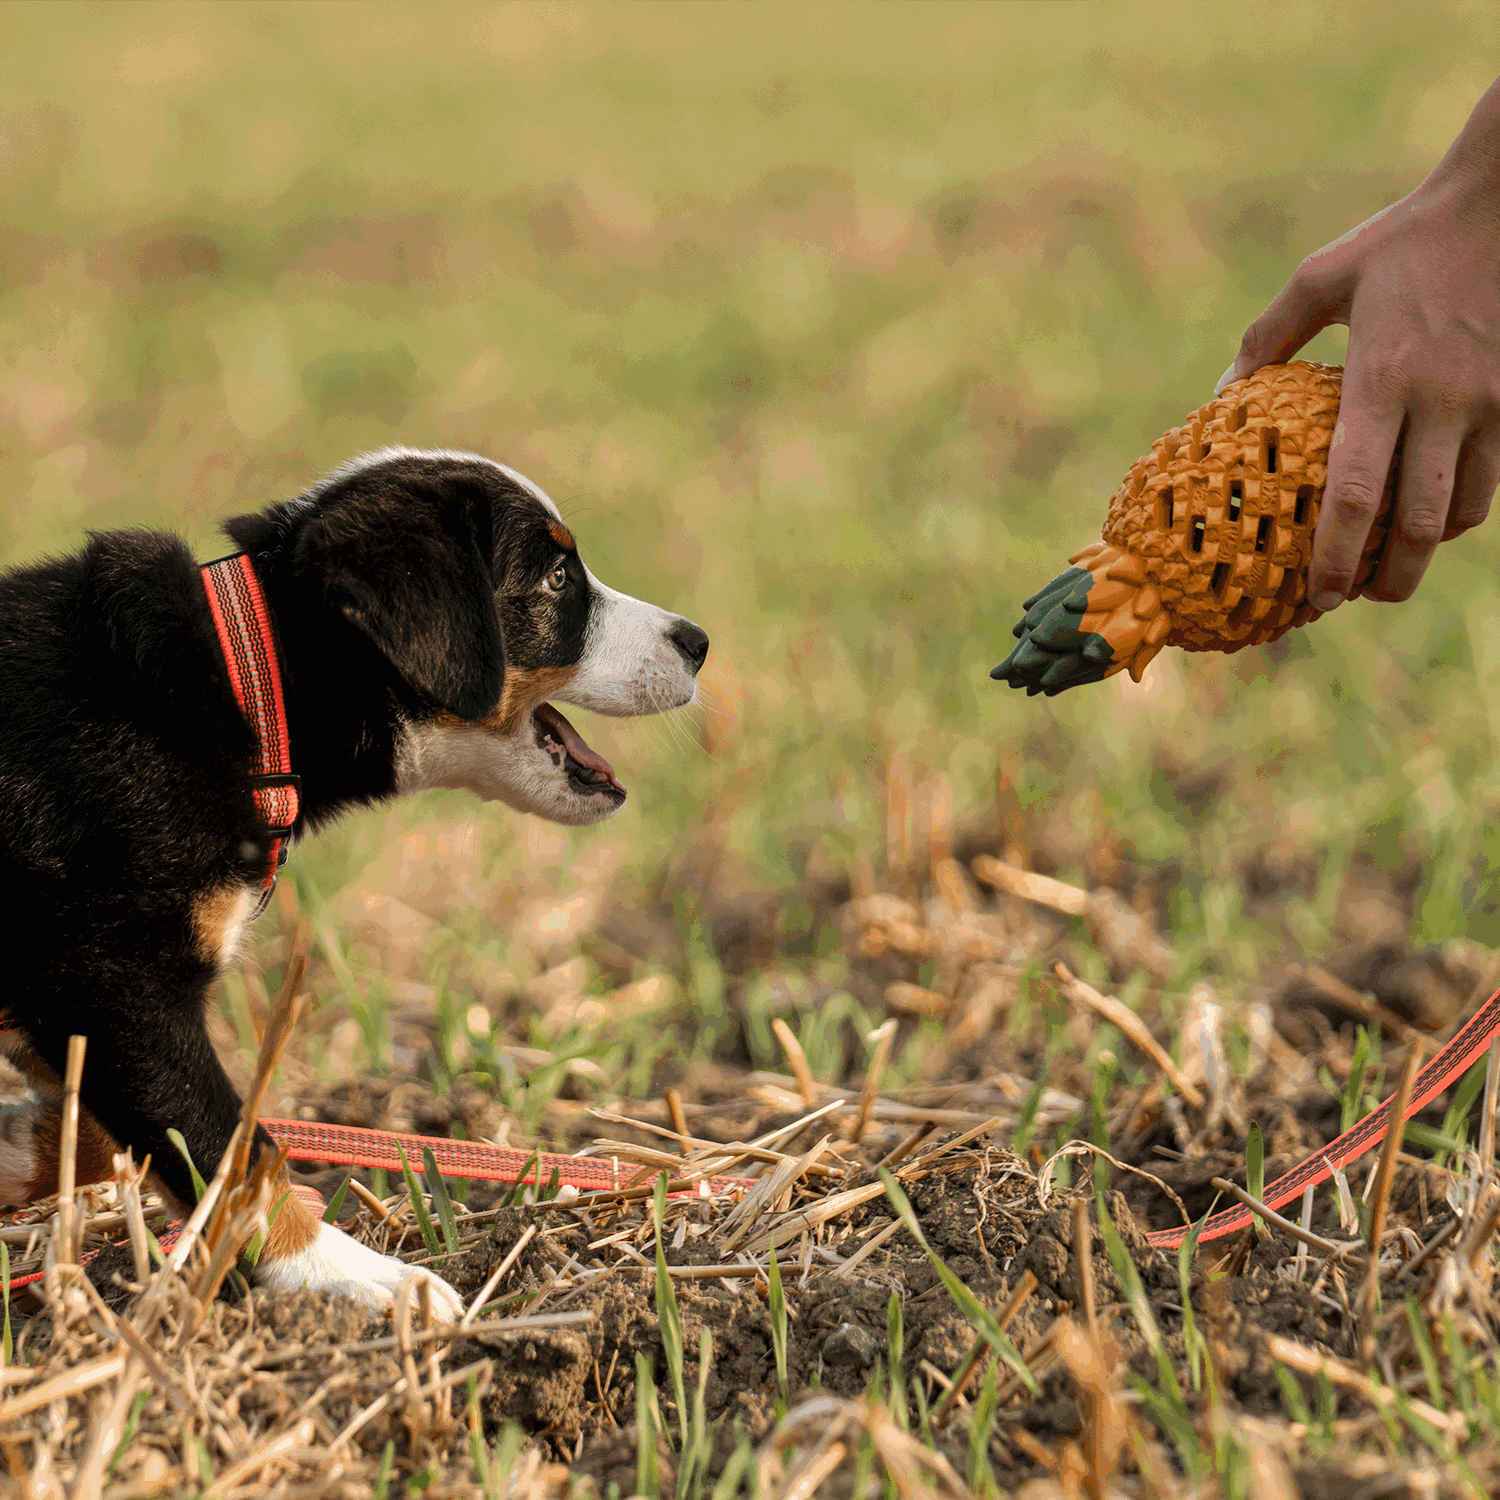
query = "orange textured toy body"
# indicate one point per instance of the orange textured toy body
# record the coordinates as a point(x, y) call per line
point(1207, 542)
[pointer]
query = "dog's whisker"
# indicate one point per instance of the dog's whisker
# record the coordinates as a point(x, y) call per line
point(675, 720)
point(706, 698)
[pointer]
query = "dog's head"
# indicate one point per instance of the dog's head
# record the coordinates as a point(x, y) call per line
point(464, 575)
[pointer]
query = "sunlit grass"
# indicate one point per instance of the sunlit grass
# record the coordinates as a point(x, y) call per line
point(832, 328)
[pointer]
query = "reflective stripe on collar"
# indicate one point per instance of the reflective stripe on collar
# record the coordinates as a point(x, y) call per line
point(243, 623)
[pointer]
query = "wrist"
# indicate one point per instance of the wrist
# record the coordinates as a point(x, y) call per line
point(1465, 196)
point(1468, 176)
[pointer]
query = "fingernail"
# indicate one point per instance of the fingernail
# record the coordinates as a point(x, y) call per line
point(1223, 381)
point(1328, 601)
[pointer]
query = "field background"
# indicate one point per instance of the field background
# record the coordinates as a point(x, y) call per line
point(832, 327)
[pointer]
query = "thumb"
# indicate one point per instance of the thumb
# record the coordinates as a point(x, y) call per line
point(1306, 305)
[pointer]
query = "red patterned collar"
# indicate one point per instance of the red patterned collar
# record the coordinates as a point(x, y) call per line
point(243, 622)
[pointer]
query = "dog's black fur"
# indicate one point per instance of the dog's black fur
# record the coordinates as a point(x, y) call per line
point(397, 591)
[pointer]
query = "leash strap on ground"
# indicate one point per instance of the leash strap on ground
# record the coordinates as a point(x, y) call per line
point(1455, 1059)
point(242, 620)
point(351, 1146)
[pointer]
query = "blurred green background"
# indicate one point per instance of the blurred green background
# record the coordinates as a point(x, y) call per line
point(832, 326)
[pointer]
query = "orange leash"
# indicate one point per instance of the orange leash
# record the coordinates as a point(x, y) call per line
point(1455, 1059)
point(352, 1146)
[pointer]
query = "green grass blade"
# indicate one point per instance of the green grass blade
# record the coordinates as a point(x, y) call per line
point(383, 1473)
point(331, 1213)
point(1255, 1173)
point(646, 1481)
point(1026, 1118)
point(980, 1475)
point(199, 1186)
point(1296, 1402)
point(667, 1314)
point(776, 1300)
point(438, 1191)
point(1140, 1306)
point(895, 1342)
point(1423, 1344)
point(1255, 1162)
point(479, 1455)
point(533, 1164)
point(257, 1241)
point(924, 1414)
point(1460, 1366)
point(734, 1470)
point(698, 1449)
point(1455, 1121)
point(1194, 1344)
point(1176, 1421)
point(1355, 1086)
point(978, 1315)
point(127, 1433)
point(418, 1204)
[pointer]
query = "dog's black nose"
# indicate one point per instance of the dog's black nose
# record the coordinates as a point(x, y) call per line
point(691, 643)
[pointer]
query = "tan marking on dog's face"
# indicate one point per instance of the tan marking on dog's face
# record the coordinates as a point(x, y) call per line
point(219, 921)
point(562, 536)
point(525, 688)
point(295, 1228)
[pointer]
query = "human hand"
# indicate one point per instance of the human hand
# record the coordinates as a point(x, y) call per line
point(1419, 287)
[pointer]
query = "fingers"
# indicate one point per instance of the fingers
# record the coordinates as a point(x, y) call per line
point(1306, 305)
point(1370, 418)
point(1424, 498)
point(1474, 488)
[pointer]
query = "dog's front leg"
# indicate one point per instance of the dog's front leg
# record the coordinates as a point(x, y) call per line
point(161, 1073)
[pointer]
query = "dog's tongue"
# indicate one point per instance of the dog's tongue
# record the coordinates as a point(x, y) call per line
point(576, 746)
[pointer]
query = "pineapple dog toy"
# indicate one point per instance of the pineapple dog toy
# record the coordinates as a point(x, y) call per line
point(1207, 542)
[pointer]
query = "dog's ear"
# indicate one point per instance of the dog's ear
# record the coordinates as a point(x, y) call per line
point(408, 561)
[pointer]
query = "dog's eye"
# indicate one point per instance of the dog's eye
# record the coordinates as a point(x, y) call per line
point(557, 579)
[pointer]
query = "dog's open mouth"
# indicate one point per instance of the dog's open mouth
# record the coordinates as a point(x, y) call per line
point(587, 770)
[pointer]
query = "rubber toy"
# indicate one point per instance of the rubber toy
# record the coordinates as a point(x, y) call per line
point(1207, 541)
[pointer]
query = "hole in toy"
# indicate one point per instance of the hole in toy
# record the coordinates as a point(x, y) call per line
point(1262, 531)
point(1164, 514)
point(1273, 440)
point(1197, 533)
point(1299, 513)
point(1236, 419)
point(1236, 495)
point(1220, 578)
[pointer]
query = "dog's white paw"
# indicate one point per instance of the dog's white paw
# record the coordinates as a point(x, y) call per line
point(334, 1262)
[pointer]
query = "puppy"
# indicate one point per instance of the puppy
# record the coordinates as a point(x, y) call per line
point(423, 611)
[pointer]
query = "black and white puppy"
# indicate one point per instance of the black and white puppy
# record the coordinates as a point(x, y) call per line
point(427, 606)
